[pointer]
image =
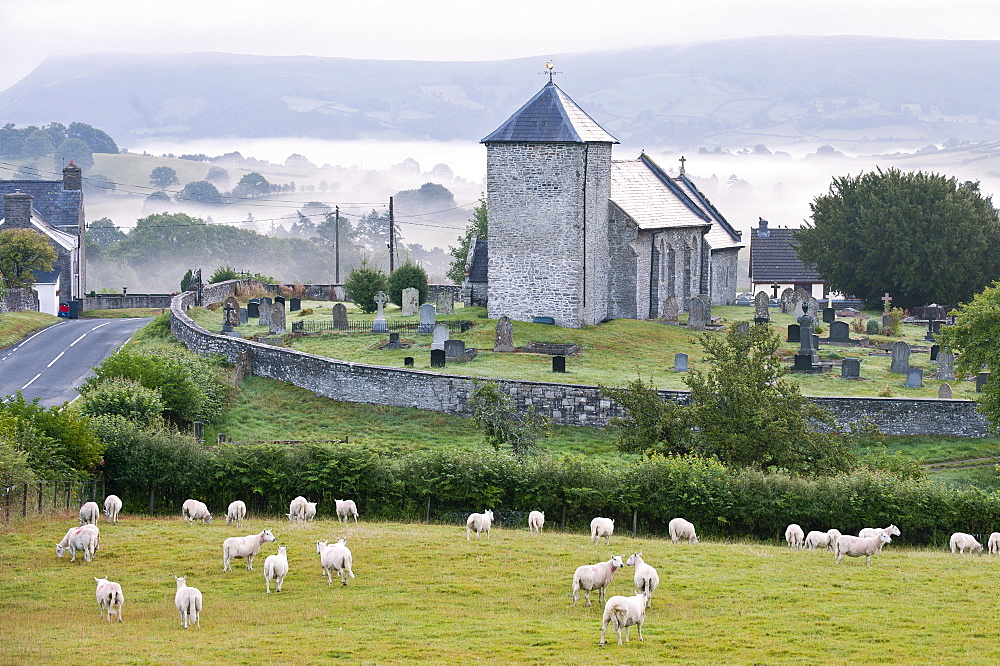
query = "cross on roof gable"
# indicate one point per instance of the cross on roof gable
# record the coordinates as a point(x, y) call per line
point(550, 116)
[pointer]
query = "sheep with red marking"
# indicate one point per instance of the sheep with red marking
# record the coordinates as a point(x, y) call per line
point(479, 523)
point(602, 527)
point(853, 546)
point(246, 546)
point(961, 542)
point(109, 598)
point(590, 577)
point(624, 612)
point(112, 507)
point(90, 513)
point(336, 557)
point(84, 538)
point(346, 509)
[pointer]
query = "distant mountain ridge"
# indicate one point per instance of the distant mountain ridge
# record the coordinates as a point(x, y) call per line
point(861, 92)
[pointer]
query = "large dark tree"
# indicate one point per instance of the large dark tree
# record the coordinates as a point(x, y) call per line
point(922, 237)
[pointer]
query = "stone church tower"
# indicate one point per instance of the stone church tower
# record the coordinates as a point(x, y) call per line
point(548, 175)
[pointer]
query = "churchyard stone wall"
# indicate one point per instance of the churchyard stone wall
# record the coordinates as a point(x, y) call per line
point(19, 300)
point(122, 301)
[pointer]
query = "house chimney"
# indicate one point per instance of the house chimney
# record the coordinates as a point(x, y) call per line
point(17, 210)
point(72, 177)
point(762, 223)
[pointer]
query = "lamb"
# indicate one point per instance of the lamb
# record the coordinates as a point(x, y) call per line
point(236, 513)
point(84, 538)
point(590, 577)
point(346, 509)
point(646, 578)
point(828, 539)
point(336, 558)
point(853, 546)
point(624, 612)
point(994, 543)
point(602, 527)
point(794, 536)
point(892, 531)
point(310, 511)
point(109, 598)
point(297, 509)
point(276, 568)
point(193, 511)
point(961, 542)
point(480, 522)
point(90, 513)
point(536, 520)
point(247, 546)
point(112, 507)
point(682, 529)
point(188, 602)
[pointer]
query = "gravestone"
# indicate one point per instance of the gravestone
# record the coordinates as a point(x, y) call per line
point(266, 302)
point(914, 378)
point(829, 315)
point(558, 364)
point(794, 335)
point(411, 301)
point(379, 325)
point(681, 362)
point(698, 314)
point(294, 304)
point(850, 368)
point(670, 310)
point(277, 326)
point(944, 391)
point(454, 350)
point(945, 366)
point(743, 328)
point(800, 301)
point(227, 319)
point(231, 307)
point(253, 308)
point(813, 309)
point(437, 358)
point(244, 316)
point(981, 380)
point(760, 311)
point(840, 331)
point(394, 338)
point(265, 314)
point(407, 361)
point(504, 335)
point(445, 302)
point(935, 350)
point(807, 357)
point(340, 316)
point(787, 298)
point(441, 336)
point(900, 358)
point(427, 319)
point(280, 299)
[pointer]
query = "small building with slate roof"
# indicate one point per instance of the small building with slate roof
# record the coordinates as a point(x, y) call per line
point(474, 289)
point(775, 264)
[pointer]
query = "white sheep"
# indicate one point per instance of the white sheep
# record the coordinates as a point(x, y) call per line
point(84, 538)
point(109, 598)
point(346, 509)
point(309, 512)
point(479, 522)
point(827, 540)
point(624, 612)
point(276, 568)
point(794, 536)
point(961, 542)
point(536, 519)
point(646, 578)
point(590, 577)
point(236, 513)
point(112, 507)
point(867, 532)
point(90, 513)
point(246, 546)
point(994, 543)
point(682, 529)
point(192, 510)
point(297, 509)
point(336, 557)
point(188, 602)
point(853, 546)
point(602, 527)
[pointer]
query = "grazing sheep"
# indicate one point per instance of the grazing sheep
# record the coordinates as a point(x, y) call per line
point(297, 509)
point(346, 509)
point(193, 511)
point(794, 536)
point(310, 511)
point(961, 542)
point(90, 513)
point(479, 522)
point(602, 527)
point(994, 543)
point(336, 558)
point(246, 546)
point(853, 546)
point(590, 577)
point(681, 529)
point(536, 519)
point(646, 578)
point(867, 532)
point(236, 512)
point(828, 539)
point(188, 602)
point(109, 598)
point(276, 568)
point(624, 612)
point(112, 507)
point(84, 538)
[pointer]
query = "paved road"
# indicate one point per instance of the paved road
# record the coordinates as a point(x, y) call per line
point(53, 362)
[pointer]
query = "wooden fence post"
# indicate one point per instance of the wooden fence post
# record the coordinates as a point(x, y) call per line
point(152, 494)
point(41, 484)
point(24, 502)
point(428, 519)
point(635, 521)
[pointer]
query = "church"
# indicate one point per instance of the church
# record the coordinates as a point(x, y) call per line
point(579, 237)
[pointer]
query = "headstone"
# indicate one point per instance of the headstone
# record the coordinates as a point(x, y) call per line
point(760, 311)
point(802, 363)
point(558, 363)
point(787, 298)
point(265, 314)
point(244, 316)
point(411, 301)
point(840, 331)
point(441, 336)
point(808, 342)
point(800, 301)
point(266, 302)
point(253, 308)
point(394, 338)
point(427, 319)
point(829, 315)
point(277, 319)
point(670, 310)
point(981, 380)
point(743, 328)
point(914, 378)
point(298, 326)
point(231, 308)
point(445, 302)
point(850, 368)
point(379, 325)
point(900, 358)
point(698, 314)
point(407, 361)
point(280, 299)
point(454, 349)
point(294, 304)
point(681, 362)
point(340, 316)
point(935, 350)
point(227, 320)
point(945, 366)
point(793, 333)
point(437, 358)
point(505, 335)
point(944, 391)
point(814, 310)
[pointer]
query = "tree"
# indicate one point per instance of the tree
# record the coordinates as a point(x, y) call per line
point(200, 191)
point(922, 237)
point(76, 151)
point(57, 440)
point(104, 232)
point(503, 427)
point(223, 273)
point(409, 275)
point(163, 177)
point(217, 175)
point(99, 183)
point(21, 252)
point(252, 185)
point(651, 425)
point(98, 140)
point(38, 144)
point(476, 228)
point(362, 285)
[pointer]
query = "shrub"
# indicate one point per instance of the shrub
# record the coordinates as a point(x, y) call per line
point(874, 327)
point(118, 396)
point(223, 273)
point(362, 285)
point(407, 276)
point(503, 427)
point(57, 440)
point(859, 324)
point(15, 465)
point(893, 321)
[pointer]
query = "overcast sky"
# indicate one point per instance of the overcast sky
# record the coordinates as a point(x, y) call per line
point(31, 30)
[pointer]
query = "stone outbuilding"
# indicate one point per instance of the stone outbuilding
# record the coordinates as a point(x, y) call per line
point(775, 264)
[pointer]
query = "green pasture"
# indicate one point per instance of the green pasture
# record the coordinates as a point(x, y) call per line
point(425, 594)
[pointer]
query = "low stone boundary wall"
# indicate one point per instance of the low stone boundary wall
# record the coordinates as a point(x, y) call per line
point(122, 301)
point(19, 300)
point(569, 404)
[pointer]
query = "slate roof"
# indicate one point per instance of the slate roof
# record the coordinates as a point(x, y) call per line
point(722, 235)
point(773, 257)
point(46, 277)
point(652, 200)
point(550, 117)
point(480, 262)
point(56, 205)
point(65, 240)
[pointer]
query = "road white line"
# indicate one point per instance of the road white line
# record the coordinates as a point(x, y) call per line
point(99, 325)
point(27, 340)
point(32, 381)
point(78, 339)
point(54, 360)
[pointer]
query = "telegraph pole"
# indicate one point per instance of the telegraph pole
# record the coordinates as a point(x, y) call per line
point(336, 237)
point(392, 238)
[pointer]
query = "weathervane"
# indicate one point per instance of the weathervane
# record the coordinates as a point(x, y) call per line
point(549, 67)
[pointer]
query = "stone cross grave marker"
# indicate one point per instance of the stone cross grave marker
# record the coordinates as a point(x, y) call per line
point(914, 378)
point(340, 316)
point(277, 319)
point(670, 311)
point(787, 298)
point(850, 368)
point(698, 314)
point(681, 362)
point(428, 318)
point(231, 308)
point(411, 301)
point(379, 325)
point(441, 336)
point(760, 305)
point(445, 302)
point(900, 358)
point(945, 366)
point(505, 335)
point(944, 391)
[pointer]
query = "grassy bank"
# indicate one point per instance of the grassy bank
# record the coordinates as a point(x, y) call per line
point(15, 326)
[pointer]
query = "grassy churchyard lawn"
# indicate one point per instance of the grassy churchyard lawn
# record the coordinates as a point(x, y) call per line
point(422, 593)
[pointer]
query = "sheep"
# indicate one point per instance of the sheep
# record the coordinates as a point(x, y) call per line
point(892, 531)
point(536, 520)
point(109, 598)
point(310, 511)
point(682, 529)
point(112, 507)
point(192, 510)
point(602, 527)
point(624, 612)
point(276, 567)
point(646, 578)
point(994, 543)
point(480, 522)
point(346, 509)
point(816, 539)
point(84, 538)
point(247, 546)
point(188, 602)
point(794, 536)
point(297, 509)
point(236, 512)
point(590, 577)
point(853, 546)
point(90, 513)
point(961, 542)
point(337, 558)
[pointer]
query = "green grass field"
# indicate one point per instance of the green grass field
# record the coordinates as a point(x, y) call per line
point(425, 594)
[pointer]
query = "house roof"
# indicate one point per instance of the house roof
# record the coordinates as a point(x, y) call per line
point(46, 277)
point(480, 262)
point(65, 240)
point(773, 257)
point(56, 205)
point(550, 117)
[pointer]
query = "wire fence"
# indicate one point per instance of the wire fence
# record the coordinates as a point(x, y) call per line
point(362, 326)
point(40, 498)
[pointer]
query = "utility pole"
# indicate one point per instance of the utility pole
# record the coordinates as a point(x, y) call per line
point(336, 237)
point(392, 238)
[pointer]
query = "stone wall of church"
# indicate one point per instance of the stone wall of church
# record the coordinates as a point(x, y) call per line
point(597, 253)
point(623, 246)
point(725, 271)
point(680, 265)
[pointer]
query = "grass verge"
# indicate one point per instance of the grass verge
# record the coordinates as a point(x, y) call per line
point(15, 326)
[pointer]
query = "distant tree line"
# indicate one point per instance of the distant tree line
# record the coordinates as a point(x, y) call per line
point(78, 143)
